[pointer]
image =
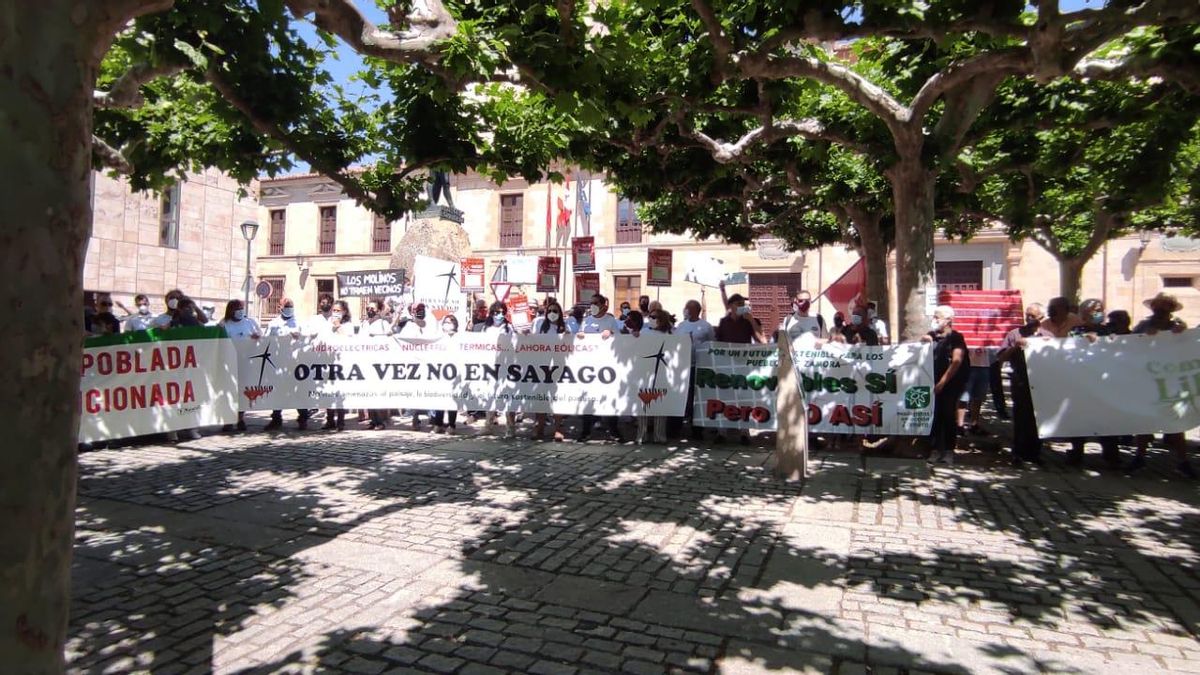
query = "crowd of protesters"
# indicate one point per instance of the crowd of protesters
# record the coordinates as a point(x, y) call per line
point(963, 377)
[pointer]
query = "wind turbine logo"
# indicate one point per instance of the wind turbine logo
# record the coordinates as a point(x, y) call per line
point(258, 390)
point(451, 278)
point(654, 392)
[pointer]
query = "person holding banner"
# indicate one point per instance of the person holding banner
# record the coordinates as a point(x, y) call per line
point(701, 333)
point(438, 417)
point(950, 373)
point(738, 326)
point(238, 327)
point(1091, 315)
point(1027, 445)
point(660, 324)
point(800, 321)
point(286, 324)
point(1162, 307)
point(599, 321)
point(500, 325)
point(552, 324)
point(341, 324)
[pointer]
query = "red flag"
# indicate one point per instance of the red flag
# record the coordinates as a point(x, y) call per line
point(549, 198)
point(849, 290)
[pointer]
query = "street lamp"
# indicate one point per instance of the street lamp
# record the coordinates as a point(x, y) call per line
point(249, 229)
point(1144, 239)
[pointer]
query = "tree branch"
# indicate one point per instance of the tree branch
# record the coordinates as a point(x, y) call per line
point(722, 47)
point(962, 73)
point(724, 152)
point(415, 45)
point(110, 156)
point(126, 92)
point(857, 87)
point(1135, 66)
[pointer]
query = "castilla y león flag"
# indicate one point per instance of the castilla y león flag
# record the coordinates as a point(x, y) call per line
point(849, 290)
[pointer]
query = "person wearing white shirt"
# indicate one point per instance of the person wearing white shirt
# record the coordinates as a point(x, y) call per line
point(319, 323)
point(598, 320)
point(417, 327)
point(341, 324)
point(375, 324)
point(499, 324)
point(285, 325)
point(658, 325)
point(701, 333)
point(800, 321)
point(877, 323)
point(143, 319)
point(238, 327)
point(171, 299)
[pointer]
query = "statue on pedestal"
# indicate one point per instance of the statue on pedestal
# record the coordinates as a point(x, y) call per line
point(439, 185)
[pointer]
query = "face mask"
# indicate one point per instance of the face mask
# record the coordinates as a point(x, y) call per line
point(143, 309)
point(624, 312)
point(935, 325)
point(449, 329)
point(803, 305)
point(371, 313)
point(287, 312)
point(239, 314)
point(1031, 321)
point(553, 316)
point(1097, 317)
point(856, 320)
point(597, 310)
point(419, 315)
point(173, 304)
point(743, 310)
point(498, 319)
point(337, 315)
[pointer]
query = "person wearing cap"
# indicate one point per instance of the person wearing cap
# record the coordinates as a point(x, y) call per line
point(1162, 319)
point(286, 325)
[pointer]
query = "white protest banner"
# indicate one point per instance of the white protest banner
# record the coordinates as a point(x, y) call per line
point(621, 375)
point(522, 269)
point(436, 283)
point(852, 389)
point(148, 382)
point(705, 270)
point(735, 386)
point(1125, 384)
point(848, 389)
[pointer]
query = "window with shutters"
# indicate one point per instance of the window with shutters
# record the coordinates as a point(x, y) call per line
point(278, 230)
point(512, 218)
point(270, 306)
point(959, 275)
point(381, 236)
point(626, 288)
point(771, 297)
point(327, 241)
point(629, 226)
point(168, 217)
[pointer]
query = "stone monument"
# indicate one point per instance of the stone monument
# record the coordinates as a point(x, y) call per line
point(436, 231)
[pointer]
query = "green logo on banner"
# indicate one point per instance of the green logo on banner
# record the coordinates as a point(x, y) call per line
point(917, 398)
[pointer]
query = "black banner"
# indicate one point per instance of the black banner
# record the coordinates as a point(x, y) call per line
point(371, 283)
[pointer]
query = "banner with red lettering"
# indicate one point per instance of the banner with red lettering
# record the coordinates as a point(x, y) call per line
point(518, 311)
point(472, 275)
point(148, 382)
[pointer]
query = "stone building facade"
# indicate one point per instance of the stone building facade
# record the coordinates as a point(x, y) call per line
point(189, 237)
point(311, 231)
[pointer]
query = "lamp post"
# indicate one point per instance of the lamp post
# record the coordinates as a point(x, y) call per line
point(249, 229)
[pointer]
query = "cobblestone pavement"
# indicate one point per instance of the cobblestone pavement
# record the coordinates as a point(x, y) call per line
point(400, 551)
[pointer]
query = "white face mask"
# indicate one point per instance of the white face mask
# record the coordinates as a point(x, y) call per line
point(143, 309)
point(743, 310)
point(597, 310)
point(856, 320)
point(553, 316)
point(239, 314)
point(337, 315)
point(449, 329)
point(935, 324)
point(173, 303)
point(287, 312)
